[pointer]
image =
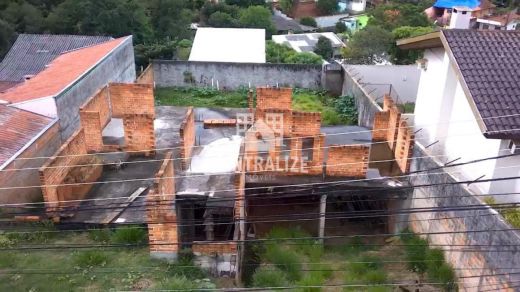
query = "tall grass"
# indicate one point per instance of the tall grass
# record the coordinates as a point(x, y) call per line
point(269, 277)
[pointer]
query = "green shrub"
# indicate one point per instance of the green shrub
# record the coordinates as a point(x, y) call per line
point(314, 278)
point(269, 277)
point(185, 267)
point(444, 274)
point(346, 107)
point(129, 235)
point(42, 232)
point(285, 260)
point(90, 258)
point(354, 247)
point(308, 21)
point(416, 251)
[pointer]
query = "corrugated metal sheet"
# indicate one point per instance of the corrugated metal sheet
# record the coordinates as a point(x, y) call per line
point(31, 52)
point(17, 128)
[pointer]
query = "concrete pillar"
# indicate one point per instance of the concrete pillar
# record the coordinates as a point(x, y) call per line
point(323, 209)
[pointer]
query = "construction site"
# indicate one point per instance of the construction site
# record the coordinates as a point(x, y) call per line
point(211, 179)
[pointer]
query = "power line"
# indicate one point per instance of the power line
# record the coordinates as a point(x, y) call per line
point(310, 136)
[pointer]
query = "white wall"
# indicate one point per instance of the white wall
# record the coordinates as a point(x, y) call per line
point(43, 106)
point(357, 5)
point(444, 114)
point(428, 103)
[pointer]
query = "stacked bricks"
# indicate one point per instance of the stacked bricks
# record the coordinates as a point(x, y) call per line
point(95, 115)
point(380, 127)
point(306, 123)
point(404, 147)
point(131, 98)
point(212, 248)
point(139, 134)
point(389, 126)
point(187, 135)
point(273, 98)
point(315, 166)
point(160, 212)
point(347, 160)
point(55, 170)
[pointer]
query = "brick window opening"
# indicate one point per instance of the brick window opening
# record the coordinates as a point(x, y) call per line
point(307, 148)
point(114, 132)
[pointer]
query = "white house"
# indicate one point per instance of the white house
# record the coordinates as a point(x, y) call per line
point(240, 45)
point(508, 21)
point(468, 105)
point(306, 42)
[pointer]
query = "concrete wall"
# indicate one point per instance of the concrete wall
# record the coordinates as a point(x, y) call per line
point(44, 146)
point(493, 230)
point(367, 105)
point(403, 78)
point(234, 75)
point(116, 67)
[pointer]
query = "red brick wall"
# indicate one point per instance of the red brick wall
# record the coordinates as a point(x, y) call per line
point(273, 98)
point(160, 211)
point(94, 116)
point(139, 134)
point(56, 169)
point(380, 127)
point(347, 160)
point(269, 116)
point(316, 165)
point(404, 146)
point(187, 134)
point(131, 98)
point(211, 248)
point(306, 123)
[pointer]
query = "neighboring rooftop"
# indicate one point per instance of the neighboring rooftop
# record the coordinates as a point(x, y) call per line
point(330, 20)
point(284, 23)
point(456, 3)
point(306, 42)
point(61, 72)
point(502, 19)
point(17, 129)
point(31, 52)
point(488, 63)
point(241, 45)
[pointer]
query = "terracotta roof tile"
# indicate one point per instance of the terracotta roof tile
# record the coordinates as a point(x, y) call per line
point(17, 128)
point(60, 73)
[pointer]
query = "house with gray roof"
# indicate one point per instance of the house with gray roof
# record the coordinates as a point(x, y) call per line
point(285, 24)
point(32, 52)
point(468, 105)
point(306, 42)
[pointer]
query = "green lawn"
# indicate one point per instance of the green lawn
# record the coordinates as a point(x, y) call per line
point(91, 269)
point(363, 20)
point(303, 99)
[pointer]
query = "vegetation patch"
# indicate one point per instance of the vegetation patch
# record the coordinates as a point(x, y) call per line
point(334, 110)
point(511, 213)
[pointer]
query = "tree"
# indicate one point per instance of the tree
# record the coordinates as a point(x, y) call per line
point(341, 27)
point(328, 6)
point(369, 46)
point(324, 48)
point(286, 5)
point(245, 3)
point(221, 19)
point(403, 57)
point(304, 58)
point(23, 17)
point(6, 37)
point(171, 19)
point(209, 8)
point(392, 16)
point(309, 21)
point(101, 17)
point(257, 17)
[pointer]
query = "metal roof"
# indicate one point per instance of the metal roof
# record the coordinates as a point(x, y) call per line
point(32, 52)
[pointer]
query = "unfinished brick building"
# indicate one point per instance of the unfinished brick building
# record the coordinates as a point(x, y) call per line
point(75, 170)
